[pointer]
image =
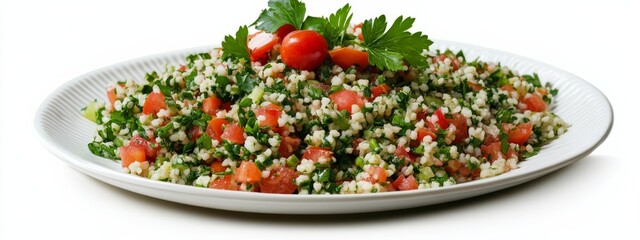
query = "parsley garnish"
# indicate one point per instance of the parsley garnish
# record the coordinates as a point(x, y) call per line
point(336, 25)
point(387, 50)
point(279, 13)
point(236, 47)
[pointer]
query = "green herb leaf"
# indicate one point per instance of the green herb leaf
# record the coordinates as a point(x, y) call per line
point(336, 25)
point(236, 47)
point(279, 13)
point(387, 50)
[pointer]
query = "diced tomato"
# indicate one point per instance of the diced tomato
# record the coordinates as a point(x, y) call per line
point(355, 145)
point(442, 120)
point(234, 133)
point(462, 130)
point(422, 133)
point(224, 183)
point(182, 68)
point(345, 99)
point(534, 103)
point(216, 167)
point(248, 172)
point(379, 90)
point(303, 50)
point(359, 25)
point(132, 153)
point(493, 151)
point(284, 30)
point(507, 87)
point(153, 103)
point(403, 183)
point(226, 106)
point(347, 57)
point(260, 44)
point(142, 143)
point(521, 133)
point(271, 113)
point(211, 105)
point(402, 153)
point(280, 180)
point(457, 169)
point(377, 174)
point(288, 146)
point(474, 86)
point(455, 63)
point(317, 153)
point(111, 94)
point(195, 132)
point(421, 114)
point(214, 128)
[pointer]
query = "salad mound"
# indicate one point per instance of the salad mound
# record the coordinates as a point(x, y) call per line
point(320, 105)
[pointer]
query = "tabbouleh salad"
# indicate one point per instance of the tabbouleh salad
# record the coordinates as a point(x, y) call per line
point(318, 105)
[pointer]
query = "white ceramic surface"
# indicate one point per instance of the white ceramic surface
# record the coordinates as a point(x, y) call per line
point(66, 133)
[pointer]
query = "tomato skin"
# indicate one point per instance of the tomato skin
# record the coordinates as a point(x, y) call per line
point(379, 90)
point(248, 172)
point(317, 153)
point(271, 113)
point(534, 103)
point(284, 30)
point(234, 133)
point(403, 183)
point(288, 146)
point(224, 183)
point(462, 130)
point(214, 128)
point(347, 57)
point(345, 99)
point(153, 103)
point(260, 44)
point(304, 50)
point(442, 120)
point(280, 181)
point(211, 105)
point(521, 133)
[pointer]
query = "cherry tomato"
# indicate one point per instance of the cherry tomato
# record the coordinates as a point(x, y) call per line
point(304, 50)
point(260, 44)
point(284, 30)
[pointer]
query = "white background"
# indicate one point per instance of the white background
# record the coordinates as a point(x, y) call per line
point(45, 43)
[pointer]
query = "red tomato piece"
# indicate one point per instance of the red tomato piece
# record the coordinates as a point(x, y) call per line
point(111, 94)
point(214, 128)
point(402, 153)
point(474, 86)
point(359, 25)
point(270, 113)
point(345, 99)
point(153, 103)
point(462, 130)
point(377, 174)
point(132, 153)
point(288, 146)
point(304, 50)
point(224, 183)
point(403, 183)
point(260, 44)
point(280, 181)
point(347, 57)
point(534, 103)
point(248, 172)
point(216, 167)
point(422, 133)
point(442, 120)
point(456, 169)
point(195, 132)
point(142, 143)
point(234, 133)
point(493, 151)
point(211, 105)
point(379, 90)
point(284, 30)
point(521, 133)
point(317, 153)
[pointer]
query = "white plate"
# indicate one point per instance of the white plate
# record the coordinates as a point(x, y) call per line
point(66, 133)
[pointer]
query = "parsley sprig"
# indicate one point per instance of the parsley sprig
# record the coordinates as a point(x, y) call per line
point(388, 50)
point(236, 47)
point(281, 12)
